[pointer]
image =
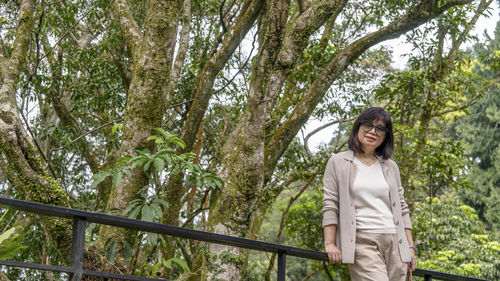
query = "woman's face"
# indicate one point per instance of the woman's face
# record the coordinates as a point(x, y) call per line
point(371, 134)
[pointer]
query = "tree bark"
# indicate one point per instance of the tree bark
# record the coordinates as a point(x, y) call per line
point(152, 56)
point(20, 160)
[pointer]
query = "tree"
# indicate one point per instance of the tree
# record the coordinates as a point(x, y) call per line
point(134, 71)
point(451, 238)
point(479, 130)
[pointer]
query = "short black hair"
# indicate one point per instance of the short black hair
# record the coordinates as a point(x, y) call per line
point(386, 148)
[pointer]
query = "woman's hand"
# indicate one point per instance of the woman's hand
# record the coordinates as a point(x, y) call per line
point(412, 263)
point(334, 254)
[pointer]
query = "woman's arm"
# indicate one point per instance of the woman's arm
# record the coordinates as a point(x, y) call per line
point(330, 194)
point(411, 265)
point(333, 252)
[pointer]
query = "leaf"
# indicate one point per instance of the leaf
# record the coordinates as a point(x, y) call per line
point(167, 158)
point(117, 178)
point(124, 160)
point(7, 234)
point(143, 150)
point(147, 165)
point(116, 127)
point(127, 250)
point(98, 178)
point(163, 203)
point(10, 245)
point(127, 172)
point(164, 133)
point(10, 249)
point(157, 139)
point(168, 263)
point(178, 141)
point(147, 213)
point(131, 205)
point(135, 212)
point(181, 263)
point(159, 164)
point(156, 209)
point(110, 252)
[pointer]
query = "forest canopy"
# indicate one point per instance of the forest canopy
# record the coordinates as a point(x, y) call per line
point(196, 114)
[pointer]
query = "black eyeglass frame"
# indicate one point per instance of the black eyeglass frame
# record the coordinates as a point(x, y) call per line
point(367, 126)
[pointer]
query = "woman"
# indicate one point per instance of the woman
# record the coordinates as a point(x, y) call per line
point(365, 216)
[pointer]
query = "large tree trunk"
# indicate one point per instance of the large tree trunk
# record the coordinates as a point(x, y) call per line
point(152, 56)
point(20, 161)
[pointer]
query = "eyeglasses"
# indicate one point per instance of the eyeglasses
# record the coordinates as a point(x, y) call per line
point(368, 126)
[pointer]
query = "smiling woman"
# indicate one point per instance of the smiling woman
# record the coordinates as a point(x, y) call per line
point(363, 199)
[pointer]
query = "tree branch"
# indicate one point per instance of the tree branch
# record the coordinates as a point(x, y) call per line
point(83, 135)
point(181, 53)
point(324, 126)
point(213, 66)
point(425, 11)
point(128, 25)
point(68, 31)
point(303, 26)
point(463, 36)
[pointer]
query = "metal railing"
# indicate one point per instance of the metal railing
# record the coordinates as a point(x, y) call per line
point(81, 218)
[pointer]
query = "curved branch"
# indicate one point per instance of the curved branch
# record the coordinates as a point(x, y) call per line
point(128, 25)
point(83, 135)
point(181, 53)
point(303, 26)
point(68, 31)
point(324, 126)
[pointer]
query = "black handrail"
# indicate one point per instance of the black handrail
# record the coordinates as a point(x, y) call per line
point(80, 219)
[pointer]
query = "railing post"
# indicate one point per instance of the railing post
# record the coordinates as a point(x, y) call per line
point(77, 247)
point(281, 266)
point(428, 277)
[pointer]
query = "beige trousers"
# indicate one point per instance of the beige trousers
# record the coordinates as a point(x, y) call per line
point(376, 258)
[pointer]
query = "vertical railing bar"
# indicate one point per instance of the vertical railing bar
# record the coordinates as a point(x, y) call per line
point(77, 248)
point(428, 277)
point(281, 266)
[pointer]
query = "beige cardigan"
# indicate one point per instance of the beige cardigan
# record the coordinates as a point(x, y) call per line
point(338, 204)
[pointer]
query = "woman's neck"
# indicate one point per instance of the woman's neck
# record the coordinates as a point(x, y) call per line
point(365, 154)
point(368, 158)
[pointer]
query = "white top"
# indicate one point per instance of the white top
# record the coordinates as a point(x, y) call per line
point(371, 193)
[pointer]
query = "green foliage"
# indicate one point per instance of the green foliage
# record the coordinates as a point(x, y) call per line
point(299, 229)
point(451, 238)
point(426, 148)
point(155, 164)
point(10, 242)
point(480, 131)
point(155, 270)
point(149, 204)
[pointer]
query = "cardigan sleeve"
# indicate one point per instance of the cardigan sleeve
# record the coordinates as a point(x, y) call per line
point(405, 211)
point(330, 194)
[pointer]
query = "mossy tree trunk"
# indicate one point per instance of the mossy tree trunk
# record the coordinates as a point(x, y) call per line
point(20, 161)
point(151, 52)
